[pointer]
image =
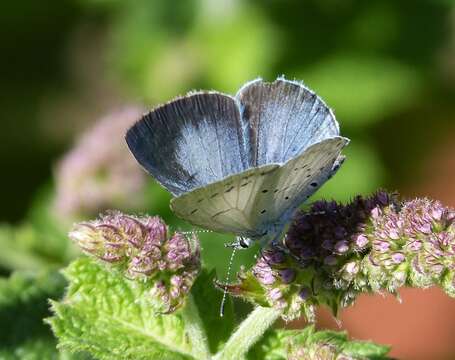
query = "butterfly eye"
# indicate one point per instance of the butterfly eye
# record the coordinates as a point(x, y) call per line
point(243, 243)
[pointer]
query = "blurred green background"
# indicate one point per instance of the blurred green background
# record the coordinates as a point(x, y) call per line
point(387, 68)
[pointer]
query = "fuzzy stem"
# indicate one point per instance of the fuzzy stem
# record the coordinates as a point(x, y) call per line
point(195, 330)
point(248, 333)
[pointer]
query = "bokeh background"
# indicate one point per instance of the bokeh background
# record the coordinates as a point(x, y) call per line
point(77, 73)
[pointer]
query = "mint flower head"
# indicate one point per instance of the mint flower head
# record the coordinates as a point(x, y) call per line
point(143, 249)
point(99, 173)
point(333, 252)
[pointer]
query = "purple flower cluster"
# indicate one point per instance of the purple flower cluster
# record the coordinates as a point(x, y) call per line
point(99, 173)
point(332, 252)
point(142, 248)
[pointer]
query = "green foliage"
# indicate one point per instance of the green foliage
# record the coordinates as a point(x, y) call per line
point(208, 299)
point(23, 305)
point(361, 173)
point(363, 89)
point(109, 316)
point(281, 344)
point(106, 315)
point(39, 242)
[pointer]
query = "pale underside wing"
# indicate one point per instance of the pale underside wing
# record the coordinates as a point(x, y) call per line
point(263, 198)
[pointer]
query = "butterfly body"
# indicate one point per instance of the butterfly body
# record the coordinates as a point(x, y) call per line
point(240, 164)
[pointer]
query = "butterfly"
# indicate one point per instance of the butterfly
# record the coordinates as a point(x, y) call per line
point(240, 164)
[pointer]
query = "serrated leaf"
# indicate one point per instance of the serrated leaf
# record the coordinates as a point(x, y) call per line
point(108, 316)
point(23, 306)
point(366, 350)
point(208, 300)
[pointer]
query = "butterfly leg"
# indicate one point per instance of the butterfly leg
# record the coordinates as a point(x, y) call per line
point(240, 243)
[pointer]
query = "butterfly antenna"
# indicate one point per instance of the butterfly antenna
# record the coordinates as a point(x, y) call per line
point(195, 232)
point(228, 276)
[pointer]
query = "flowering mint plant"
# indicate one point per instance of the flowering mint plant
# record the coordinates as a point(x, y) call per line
point(333, 252)
point(142, 293)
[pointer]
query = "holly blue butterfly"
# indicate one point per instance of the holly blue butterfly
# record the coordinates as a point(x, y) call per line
point(240, 164)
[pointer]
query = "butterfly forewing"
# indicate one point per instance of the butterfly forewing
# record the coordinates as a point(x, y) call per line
point(192, 141)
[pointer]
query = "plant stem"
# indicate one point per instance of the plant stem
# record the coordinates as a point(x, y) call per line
point(249, 331)
point(195, 330)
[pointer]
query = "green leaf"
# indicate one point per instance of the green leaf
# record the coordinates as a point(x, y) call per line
point(108, 316)
point(278, 344)
point(208, 301)
point(366, 349)
point(273, 346)
point(23, 306)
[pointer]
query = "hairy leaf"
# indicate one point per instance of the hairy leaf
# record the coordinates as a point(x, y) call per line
point(108, 316)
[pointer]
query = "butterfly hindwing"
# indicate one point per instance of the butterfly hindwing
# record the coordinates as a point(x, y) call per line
point(303, 176)
point(224, 206)
point(251, 202)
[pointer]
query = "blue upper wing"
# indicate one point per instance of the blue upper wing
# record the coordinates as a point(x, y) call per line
point(204, 137)
point(192, 141)
point(284, 118)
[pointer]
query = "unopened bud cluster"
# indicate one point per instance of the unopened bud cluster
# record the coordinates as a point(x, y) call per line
point(142, 248)
point(332, 252)
point(322, 351)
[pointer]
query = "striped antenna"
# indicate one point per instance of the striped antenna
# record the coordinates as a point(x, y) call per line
point(195, 232)
point(228, 276)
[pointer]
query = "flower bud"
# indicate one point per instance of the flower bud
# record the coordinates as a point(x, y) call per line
point(142, 248)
